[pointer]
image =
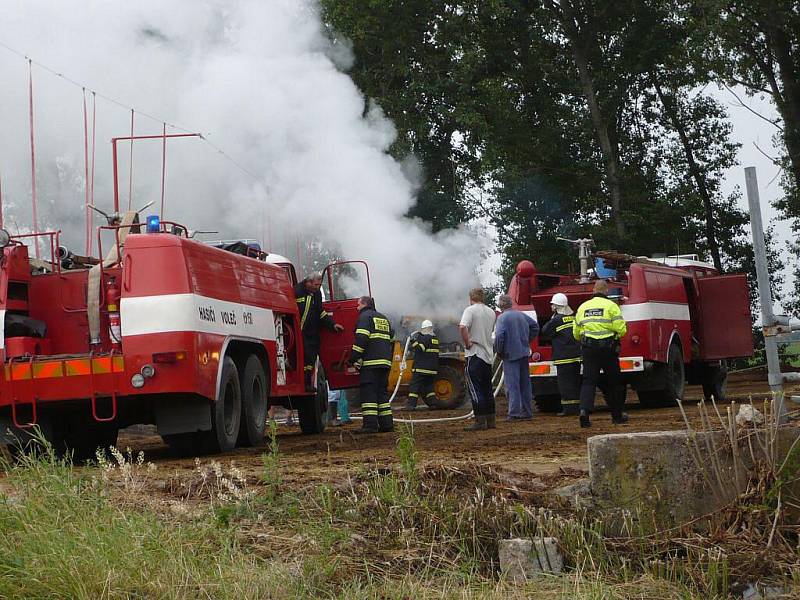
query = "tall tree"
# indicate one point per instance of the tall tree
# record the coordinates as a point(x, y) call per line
point(756, 44)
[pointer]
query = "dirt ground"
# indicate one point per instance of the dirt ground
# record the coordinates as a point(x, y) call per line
point(549, 450)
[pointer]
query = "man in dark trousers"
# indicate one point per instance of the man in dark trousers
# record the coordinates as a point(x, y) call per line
point(566, 354)
point(372, 355)
point(599, 326)
point(476, 326)
point(425, 347)
point(312, 315)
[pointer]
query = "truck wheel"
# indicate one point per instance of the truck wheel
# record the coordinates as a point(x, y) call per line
point(547, 403)
point(312, 410)
point(449, 388)
point(674, 382)
point(255, 391)
point(226, 412)
point(715, 382)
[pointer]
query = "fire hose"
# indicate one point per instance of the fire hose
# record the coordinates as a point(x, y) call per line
point(404, 366)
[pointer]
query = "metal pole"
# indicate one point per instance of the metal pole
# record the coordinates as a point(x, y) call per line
point(764, 290)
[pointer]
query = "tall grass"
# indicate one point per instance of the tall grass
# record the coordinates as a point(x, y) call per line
point(410, 531)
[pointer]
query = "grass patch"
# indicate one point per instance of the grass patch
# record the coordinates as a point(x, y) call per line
point(405, 532)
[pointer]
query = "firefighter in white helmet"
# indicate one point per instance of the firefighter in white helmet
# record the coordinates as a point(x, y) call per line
point(425, 348)
point(566, 353)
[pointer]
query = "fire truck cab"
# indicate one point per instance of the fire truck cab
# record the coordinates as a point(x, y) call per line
point(684, 320)
point(163, 330)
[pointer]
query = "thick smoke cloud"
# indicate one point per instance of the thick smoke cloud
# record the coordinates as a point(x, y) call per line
point(259, 77)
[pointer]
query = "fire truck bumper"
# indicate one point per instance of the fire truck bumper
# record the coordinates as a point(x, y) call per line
point(547, 368)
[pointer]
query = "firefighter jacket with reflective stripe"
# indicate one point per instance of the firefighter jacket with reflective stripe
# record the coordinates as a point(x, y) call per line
point(373, 344)
point(566, 349)
point(312, 315)
point(426, 354)
point(598, 319)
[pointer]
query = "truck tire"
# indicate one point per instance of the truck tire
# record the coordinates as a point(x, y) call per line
point(312, 411)
point(674, 382)
point(255, 394)
point(226, 412)
point(547, 403)
point(715, 382)
point(449, 388)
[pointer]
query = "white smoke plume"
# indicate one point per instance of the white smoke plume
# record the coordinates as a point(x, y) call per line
point(262, 80)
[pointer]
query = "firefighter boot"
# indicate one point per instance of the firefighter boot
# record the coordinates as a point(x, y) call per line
point(385, 423)
point(584, 416)
point(369, 424)
point(411, 403)
point(479, 425)
point(619, 418)
point(491, 421)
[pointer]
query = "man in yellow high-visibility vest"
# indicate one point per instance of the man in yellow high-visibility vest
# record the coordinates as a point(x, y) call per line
point(599, 326)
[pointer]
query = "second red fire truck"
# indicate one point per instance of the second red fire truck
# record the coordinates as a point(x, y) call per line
point(684, 321)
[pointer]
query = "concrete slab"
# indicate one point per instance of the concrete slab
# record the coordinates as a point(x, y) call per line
point(655, 471)
point(523, 559)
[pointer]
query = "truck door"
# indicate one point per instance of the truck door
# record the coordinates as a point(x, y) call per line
point(724, 316)
point(343, 284)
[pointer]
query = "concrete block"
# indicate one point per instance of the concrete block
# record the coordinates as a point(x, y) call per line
point(522, 559)
point(655, 471)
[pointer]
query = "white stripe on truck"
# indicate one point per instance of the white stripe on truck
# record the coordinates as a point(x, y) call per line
point(647, 311)
point(145, 315)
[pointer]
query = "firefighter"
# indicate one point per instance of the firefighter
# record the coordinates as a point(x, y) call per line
point(599, 326)
point(372, 356)
point(566, 353)
point(425, 346)
point(312, 315)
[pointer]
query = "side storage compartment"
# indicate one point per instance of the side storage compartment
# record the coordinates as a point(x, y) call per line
point(724, 323)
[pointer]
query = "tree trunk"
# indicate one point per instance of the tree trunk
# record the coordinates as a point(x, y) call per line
point(789, 107)
point(564, 14)
point(695, 171)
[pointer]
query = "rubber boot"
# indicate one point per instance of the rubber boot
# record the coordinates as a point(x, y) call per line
point(619, 419)
point(333, 409)
point(385, 423)
point(369, 424)
point(491, 421)
point(479, 425)
point(584, 417)
point(344, 409)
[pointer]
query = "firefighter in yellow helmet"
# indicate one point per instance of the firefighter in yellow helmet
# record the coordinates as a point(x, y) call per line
point(599, 326)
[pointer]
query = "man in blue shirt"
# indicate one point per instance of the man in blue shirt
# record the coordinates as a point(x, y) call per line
point(513, 334)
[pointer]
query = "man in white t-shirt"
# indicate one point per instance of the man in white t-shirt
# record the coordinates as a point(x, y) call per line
point(477, 324)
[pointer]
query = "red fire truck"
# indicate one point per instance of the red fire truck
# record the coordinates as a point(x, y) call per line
point(198, 340)
point(684, 320)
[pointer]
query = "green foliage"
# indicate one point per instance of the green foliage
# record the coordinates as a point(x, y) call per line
point(496, 100)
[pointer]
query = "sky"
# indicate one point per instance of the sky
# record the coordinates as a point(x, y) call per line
point(265, 85)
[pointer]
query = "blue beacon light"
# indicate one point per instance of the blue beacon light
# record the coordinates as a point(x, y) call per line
point(153, 224)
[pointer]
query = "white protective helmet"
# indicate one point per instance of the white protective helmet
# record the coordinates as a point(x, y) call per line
point(426, 324)
point(559, 300)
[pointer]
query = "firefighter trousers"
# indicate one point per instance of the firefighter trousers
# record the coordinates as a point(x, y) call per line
point(373, 387)
point(421, 388)
point(606, 359)
point(569, 385)
point(479, 382)
point(310, 353)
